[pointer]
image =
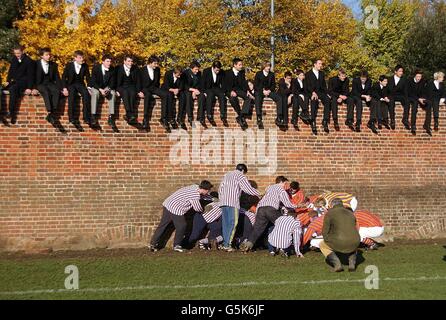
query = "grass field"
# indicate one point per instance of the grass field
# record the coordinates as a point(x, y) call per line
point(409, 270)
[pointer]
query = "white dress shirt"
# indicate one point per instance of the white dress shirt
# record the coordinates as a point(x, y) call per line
point(265, 73)
point(151, 73)
point(214, 76)
point(397, 80)
point(45, 66)
point(235, 71)
point(316, 73)
point(77, 67)
point(127, 70)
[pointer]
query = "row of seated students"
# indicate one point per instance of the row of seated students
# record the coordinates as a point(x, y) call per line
point(305, 93)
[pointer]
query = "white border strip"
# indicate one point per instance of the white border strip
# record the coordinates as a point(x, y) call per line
point(215, 285)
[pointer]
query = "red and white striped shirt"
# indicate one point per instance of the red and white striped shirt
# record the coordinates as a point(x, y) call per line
point(213, 214)
point(184, 199)
point(231, 188)
point(274, 195)
point(286, 231)
point(366, 219)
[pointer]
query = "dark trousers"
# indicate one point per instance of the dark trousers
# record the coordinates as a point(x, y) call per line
point(148, 99)
point(211, 94)
point(171, 105)
point(129, 98)
point(264, 216)
point(167, 218)
point(374, 107)
point(199, 225)
point(15, 92)
point(315, 105)
point(404, 102)
point(50, 93)
point(414, 105)
point(235, 103)
point(299, 103)
point(432, 106)
point(357, 103)
point(258, 101)
point(383, 112)
point(334, 107)
point(73, 91)
point(247, 228)
point(187, 107)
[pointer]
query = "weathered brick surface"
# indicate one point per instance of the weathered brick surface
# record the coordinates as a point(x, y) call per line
point(101, 189)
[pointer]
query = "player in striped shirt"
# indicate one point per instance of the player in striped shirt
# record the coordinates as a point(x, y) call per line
point(174, 209)
point(285, 234)
point(369, 226)
point(349, 201)
point(313, 233)
point(268, 210)
point(230, 190)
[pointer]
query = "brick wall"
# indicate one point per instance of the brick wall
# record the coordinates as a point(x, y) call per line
point(79, 190)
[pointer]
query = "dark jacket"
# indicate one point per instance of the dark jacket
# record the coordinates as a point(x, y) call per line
point(314, 84)
point(98, 79)
point(397, 90)
point(358, 91)
point(207, 81)
point(69, 74)
point(431, 92)
point(298, 89)
point(264, 83)
point(416, 90)
point(283, 88)
point(336, 87)
point(378, 93)
point(23, 71)
point(339, 230)
point(235, 83)
point(146, 82)
point(134, 76)
point(191, 81)
point(169, 84)
point(53, 74)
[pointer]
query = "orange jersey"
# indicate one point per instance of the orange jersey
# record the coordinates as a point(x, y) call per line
point(304, 218)
point(314, 227)
point(366, 219)
point(298, 197)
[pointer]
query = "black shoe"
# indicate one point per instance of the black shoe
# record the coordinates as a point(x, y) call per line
point(336, 125)
point(225, 122)
point(260, 124)
point(334, 261)
point(413, 131)
point(174, 124)
point(182, 125)
point(77, 125)
point(239, 120)
point(50, 118)
point(380, 126)
point(212, 122)
point(372, 127)
point(145, 124)
point(358, 127)
point(325, 125)
point(245, 124)
point(305, 118)
point(13, 119)
point(8, 115)
point(93, 121)
point(112, 124)
point(191, 123)
point(436, 126)
point(203, 123)
point(166, 126)
point(392, 124)
point(428, 130)
point(350, 125)
point(386, 125)
point(314, 128)
point(406, 125)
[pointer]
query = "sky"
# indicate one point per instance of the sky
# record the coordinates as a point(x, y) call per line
point(355, 5)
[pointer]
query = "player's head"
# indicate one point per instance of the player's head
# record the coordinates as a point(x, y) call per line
point(242, 167)
point(204, 187)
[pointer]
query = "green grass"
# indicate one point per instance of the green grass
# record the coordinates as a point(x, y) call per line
point(135, 268)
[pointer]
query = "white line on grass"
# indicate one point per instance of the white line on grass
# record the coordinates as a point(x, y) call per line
point(215, 285)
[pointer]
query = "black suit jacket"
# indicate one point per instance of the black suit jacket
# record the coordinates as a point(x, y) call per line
point(298, 89)
point(358, 91)
point(416, 90)
point(69, 74)
point(169, 84)
point(431, 92)
point(378, 93)
point(233, 83)
point(336, 87)
point(53, 74)
point(146, 82)
point(97, 80)
point(283, 88)
point(191, 81)
point(397, 90)
point(134, 75)
point(264, 83)
point(23, 71)
point(314, 84)
point(207, 80)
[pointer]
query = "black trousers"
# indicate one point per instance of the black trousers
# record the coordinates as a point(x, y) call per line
point(73, 91)
point(148, 99)
point(357, 103)
point(258, 102)
point(187, 107)
point(167, 218)
point(414, 105)
point(211, 94)
point(264, 216)
point(406, 107)
point(334, 107)
point(374, 107)
point(432, 106)
point(315, 105)
point(299, 103)
point(171, 105)
point(382, 108)
point(16, 90)
point(50, 93)
point(129, 98)
point(235, 103)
